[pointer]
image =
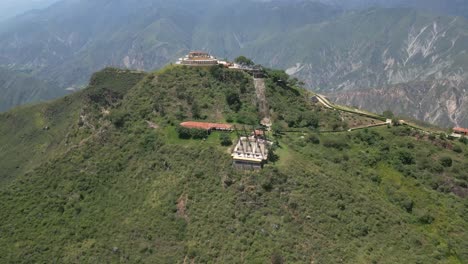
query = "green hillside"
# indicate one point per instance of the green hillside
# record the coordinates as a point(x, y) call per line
point(101, 176)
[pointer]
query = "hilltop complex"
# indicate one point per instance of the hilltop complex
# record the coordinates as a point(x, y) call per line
point(199, 58)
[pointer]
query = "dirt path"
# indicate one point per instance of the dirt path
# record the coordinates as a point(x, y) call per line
point(264, 109)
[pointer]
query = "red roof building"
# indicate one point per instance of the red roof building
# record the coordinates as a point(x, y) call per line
point(259, 133)
point(207, 126)
point(462, 131)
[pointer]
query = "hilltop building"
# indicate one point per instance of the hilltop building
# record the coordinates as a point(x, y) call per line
point(201, 58)
point(461, 131)
point(198, 58)
point(250, 153)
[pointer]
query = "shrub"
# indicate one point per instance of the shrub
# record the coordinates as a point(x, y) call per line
point(401, 131)
point(267, 184)
point(446, 161)
point(314, 139)
point(457, 149)
point(405, 157)
point(443, 136)
point(337, 143)
point(199, 133)
point(119, 118)
point(438, 168)
point(276, 259)
point(225, 140)
point(426, 219)
point(187, 133)
point(183, 132)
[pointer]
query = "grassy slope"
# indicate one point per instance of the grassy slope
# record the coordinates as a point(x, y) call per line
point(136, 194)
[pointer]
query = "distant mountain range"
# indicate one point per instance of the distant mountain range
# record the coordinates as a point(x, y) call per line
point(333, 50)
point(11, 8)
point(450, 7)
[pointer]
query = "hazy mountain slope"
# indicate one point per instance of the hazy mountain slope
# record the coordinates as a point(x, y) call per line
point(233, 27)
point(441, 102)
point(371, 48)
point(451, 7)
point(11, 8)
point(18, 88)
point(75, 38)
point(80, 37)
point(114, 189)
point(376, 48)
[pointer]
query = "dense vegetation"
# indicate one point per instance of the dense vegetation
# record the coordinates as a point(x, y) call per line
point(111, 181)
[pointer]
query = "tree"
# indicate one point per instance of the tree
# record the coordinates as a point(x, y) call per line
point(272, 156)
point(233, 100)
point(279, 77)
point(244, 61)
point(277, 129)
point(388, 114)
point(395, 121)
point(464, 140)
point(196, 113)
point(310, 120)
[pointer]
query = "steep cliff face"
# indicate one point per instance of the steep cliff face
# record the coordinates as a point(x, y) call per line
point(443, 102)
